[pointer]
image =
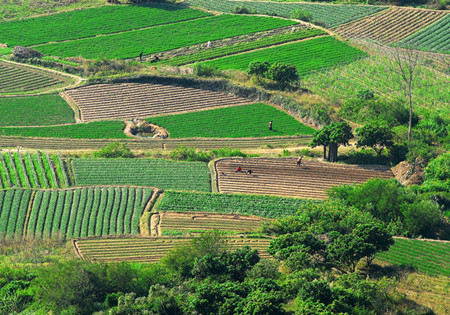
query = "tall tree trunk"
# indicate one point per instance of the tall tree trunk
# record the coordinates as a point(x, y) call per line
point(410, 115)
point(332, 152)
point(324, 152)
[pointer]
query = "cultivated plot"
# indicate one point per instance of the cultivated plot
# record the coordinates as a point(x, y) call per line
point(142, 172)
point(164, 37)
point(390, 25)
point(13, 212)
point(233, 122)
point(330, 15)
point(282, 177)
point(307, 56)
point(38, 110)
point(133, 100)
point(91, 22)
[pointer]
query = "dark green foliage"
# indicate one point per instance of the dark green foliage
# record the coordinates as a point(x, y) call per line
point(301, 14)
point(240, 10)
point(284, 74)
point(114, 150)
point(439, 168)
point(258, 68)
point(365, 95)
point(333, 136)
point(375, 135)
point(203, 70)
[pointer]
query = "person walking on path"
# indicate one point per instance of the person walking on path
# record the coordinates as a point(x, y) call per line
point(299, 160)
point(270, 125)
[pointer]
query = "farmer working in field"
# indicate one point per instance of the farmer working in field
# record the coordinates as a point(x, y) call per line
point(299, 160)
point(270, 125)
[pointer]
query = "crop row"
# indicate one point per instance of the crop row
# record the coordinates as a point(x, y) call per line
point(330, 15)
point(13, 211)
point(36, 170)
point(310, 55)
point(15, 79)
point(163, 174)
point(435, 37)
point(47, 109)
point(58, 27)
point(93, 130)
point(232, 122)
point(163, 37)
point(243, 46)
point(152, 249)
point(263, 206)
point(87, 212)
point(427, 256)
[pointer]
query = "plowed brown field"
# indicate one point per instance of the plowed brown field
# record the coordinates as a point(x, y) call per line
point(151, 249)
point(390, 25)
point(134, 100)
point(282, 177)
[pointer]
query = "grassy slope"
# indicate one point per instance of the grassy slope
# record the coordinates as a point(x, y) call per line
point(232, 122)
point(309, 55)
point(163, 37)
point(91, 22)
point(93, 130)
point(264, 206)
point(38, 110)
point(148, 172)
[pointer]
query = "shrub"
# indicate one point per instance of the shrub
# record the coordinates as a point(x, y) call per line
point(300, 14)
point(241, 10)
point(258, 68)
point(114, 150)
point(25, 52)
point(203, 70)
point(365, 95)
point(283, 73)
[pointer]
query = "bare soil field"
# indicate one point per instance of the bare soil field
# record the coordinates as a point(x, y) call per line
point(282, 176)
point(134, 100)
point(390, 25)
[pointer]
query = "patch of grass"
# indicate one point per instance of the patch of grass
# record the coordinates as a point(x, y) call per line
point(163, 37)
point(37, 110)
point(93, 130)
point(309, 55)
point(91, 22)
point(232, 122)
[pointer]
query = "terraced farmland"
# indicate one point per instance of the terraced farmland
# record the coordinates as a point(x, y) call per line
point(232, 122)
point(262, 206)
point(92, 130)
point(35, 170)
point(331, 15)
point(81, 212)
point(163, 174)
point(307, 56)
point(435, 37)
point(49, 109)
point(13, 212)
point(197, 222)
point(151, 249)
point(131, 100)
point(59, 27)
point(282, 177)
point(22, 79)
point(391, 25)
point(430, 257)
point(164, 37)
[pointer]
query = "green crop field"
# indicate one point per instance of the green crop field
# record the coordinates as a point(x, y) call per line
point(244, 46)
point(91, 22)
point(93, 130)
point(33, 170)
point(163, 37)
point(308, 55)
point(435, 38)
point(142, 172)
point(343, 82)
point(427, 256)
point(13, 212)
point(331, 15)
point(263, 206)
point(82, 212)
point(36, 110)
point(232, 122)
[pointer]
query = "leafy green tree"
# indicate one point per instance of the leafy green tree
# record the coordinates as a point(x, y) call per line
point(284, 74)
point(114, 150)
point(333, 135)
point(439, 168)
point(346, 251)
point(376, 237)
point(375, 135)
point(258, 68)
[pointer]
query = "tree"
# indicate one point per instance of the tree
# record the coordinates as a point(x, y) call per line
point(258, 68)
point(284, 74)
point(333, 136)
point(374, 135)
point(376, 238)
point(114, 150)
